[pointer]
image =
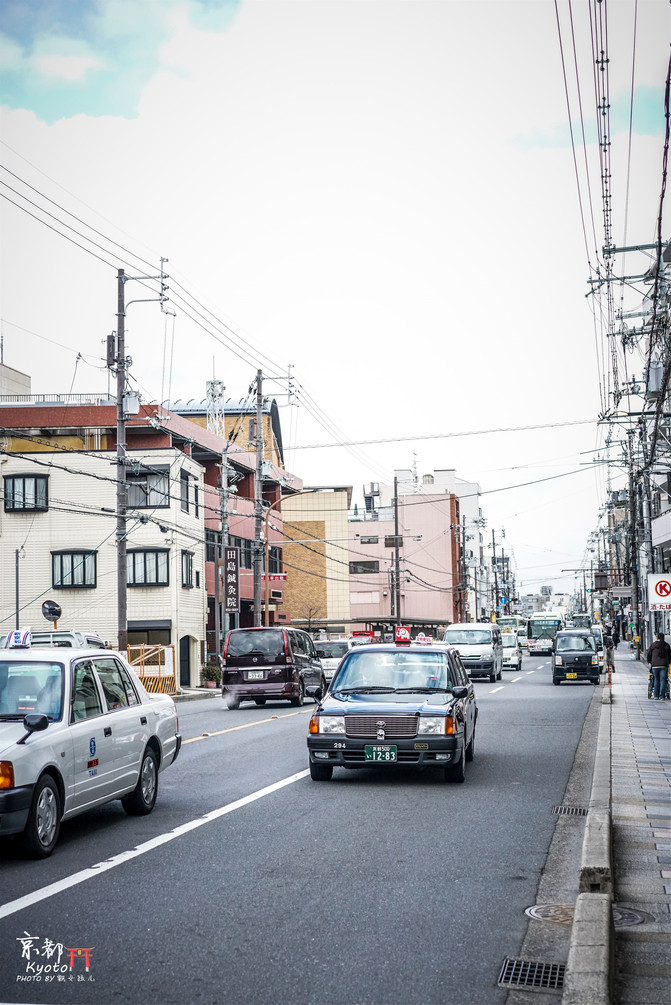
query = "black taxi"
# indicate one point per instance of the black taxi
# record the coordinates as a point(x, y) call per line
point(395, 705)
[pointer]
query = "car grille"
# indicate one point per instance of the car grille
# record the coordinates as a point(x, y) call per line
point(395, 726)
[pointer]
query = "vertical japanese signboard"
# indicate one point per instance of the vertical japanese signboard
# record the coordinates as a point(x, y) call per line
point(231, 580)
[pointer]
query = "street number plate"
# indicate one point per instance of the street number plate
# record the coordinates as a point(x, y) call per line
point(571, 676)
point(379, 752)
point(255, 675)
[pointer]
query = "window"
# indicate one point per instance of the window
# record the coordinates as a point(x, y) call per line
point(187, 569)
point(26, 492)
point(73, 570)
point(360, 568)
point(86, 698)
point(148, 489)
point(112, 684)
point(197, 580)
point(369, 540)
point(211, 545)
point(195, 500)
point(274, 560)
point(184, 491)
point(246, 551)
point(147, 568)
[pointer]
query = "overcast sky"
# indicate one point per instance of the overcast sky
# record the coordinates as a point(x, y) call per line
point(381, 194)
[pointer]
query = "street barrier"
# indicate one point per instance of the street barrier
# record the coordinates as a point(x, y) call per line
point(155, 666)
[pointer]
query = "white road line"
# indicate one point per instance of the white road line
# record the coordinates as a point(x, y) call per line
point(13, 906)
point(514, 679)
point(531, 671)
point(491, 692)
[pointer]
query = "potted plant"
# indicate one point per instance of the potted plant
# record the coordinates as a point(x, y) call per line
point(210, 674)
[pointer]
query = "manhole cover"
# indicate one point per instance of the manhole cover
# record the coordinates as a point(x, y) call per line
point(562, 914)
point(624, 917)
point(559, 914)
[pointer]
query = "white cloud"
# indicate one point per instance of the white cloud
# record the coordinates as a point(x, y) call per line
point(65, 67)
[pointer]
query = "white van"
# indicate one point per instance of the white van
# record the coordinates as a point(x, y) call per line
point(480, 646)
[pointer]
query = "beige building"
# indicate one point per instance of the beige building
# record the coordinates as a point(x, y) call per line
point(318, 590)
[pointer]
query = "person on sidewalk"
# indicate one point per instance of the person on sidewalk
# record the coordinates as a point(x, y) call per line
point(610, 651)
point(659, 657)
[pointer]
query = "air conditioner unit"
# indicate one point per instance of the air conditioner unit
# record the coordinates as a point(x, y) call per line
point(276, 594)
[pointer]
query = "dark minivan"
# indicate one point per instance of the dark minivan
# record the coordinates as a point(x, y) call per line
point(574, 656)
point(262, 664)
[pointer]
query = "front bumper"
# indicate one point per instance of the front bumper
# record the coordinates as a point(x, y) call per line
point(14, 806)
point(478, 666)
point(341, 751)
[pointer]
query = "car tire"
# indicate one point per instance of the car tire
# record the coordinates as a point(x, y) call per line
point(233, 704)
point(140, 801)
point(470, 749)
point(321, 772)
point(300, 697)
point(492, 678)
point(556, 681)
point(457, 772)
point(44, 818)
point(260, 701)
point(323, 686)
point(499, 676)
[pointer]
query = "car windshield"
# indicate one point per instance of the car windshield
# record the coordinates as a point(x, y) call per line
point(467, 637)
point(30, 687)
point(331, 650)
point(394, 671)
point(580, 643)
point(269, 644)
point(509, 641)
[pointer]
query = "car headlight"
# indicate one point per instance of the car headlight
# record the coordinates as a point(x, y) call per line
point(331, 723)
point(433, 725)
point(559, 661)
point(594, 660)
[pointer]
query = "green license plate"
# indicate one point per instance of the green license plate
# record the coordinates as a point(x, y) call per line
point(379, 752)
point(571, 676)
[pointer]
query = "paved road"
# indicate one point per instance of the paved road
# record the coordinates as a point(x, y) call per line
point(372, 888)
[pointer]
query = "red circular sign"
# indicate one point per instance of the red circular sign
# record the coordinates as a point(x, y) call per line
point(663, 588)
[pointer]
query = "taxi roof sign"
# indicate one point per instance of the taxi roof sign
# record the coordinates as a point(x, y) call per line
point(20, 638)
point(402, 635)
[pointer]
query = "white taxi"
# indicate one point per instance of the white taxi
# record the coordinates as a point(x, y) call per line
point(77, 729)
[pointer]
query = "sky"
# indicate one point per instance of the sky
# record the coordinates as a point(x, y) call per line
point(378, 199)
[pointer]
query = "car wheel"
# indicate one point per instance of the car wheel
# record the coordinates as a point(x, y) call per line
point(321, 772)
point(470, 749)
point(141, 800)
point(44, 819)
point(499, 676)
point(323, 686)
point(555, 681)
point(300, 697)
point(492, 678)
point(457, 772)
point(260, 701)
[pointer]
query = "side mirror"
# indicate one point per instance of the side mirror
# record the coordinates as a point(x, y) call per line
point(459, 692)
point(314, 692)
point(34, 722)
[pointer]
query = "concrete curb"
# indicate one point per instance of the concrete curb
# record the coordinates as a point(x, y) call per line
point(589, 968)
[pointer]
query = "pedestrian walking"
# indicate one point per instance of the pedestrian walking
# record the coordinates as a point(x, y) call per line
point(610, 651)
point(616, 636)
point(659, 657)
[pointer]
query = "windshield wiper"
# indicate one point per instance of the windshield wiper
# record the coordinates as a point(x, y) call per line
point(422, 690)
point(365, 690)
point(11, 716)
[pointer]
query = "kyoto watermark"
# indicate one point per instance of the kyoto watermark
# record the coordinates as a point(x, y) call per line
point(49, 961)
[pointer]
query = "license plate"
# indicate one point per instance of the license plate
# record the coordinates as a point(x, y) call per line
point(379, 752)
point(255, 675)
point(571, 676)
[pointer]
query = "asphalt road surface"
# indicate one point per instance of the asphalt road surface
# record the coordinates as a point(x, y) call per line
point(250, 883)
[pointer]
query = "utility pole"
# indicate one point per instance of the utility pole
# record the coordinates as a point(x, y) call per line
point(464, 584)
point(496, 577)
point(258, 502)
point(633, 551)
point(121, 489)
point(397, 559)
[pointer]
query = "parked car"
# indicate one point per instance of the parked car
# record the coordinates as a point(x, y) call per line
point(261, 664)
point(512, 654)
point(77, 729)
point(57, 638)
point(575, 657)
point(479, 645)
point(331, 651)
point(395, 705)
point(597, 632)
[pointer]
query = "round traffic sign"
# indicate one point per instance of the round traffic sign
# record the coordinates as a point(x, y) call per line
point(51, 610)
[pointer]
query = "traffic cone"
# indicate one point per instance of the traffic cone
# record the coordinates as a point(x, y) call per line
point(610, 676)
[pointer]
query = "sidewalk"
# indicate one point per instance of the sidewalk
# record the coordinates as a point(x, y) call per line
point(641, 821)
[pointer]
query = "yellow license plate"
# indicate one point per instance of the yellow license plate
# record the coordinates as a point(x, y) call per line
point(571, 676)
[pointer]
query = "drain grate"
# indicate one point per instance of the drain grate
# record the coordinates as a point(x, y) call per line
point(570, 811)
point(530, 974)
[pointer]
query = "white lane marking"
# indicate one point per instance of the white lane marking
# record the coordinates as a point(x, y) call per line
point(497, 689)
point(514, 679)
point(531, 671)
point(125, 856)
